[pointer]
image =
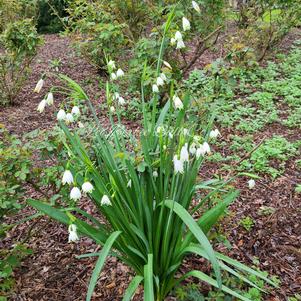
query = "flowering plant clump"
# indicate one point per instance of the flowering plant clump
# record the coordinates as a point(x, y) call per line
point(144, 188)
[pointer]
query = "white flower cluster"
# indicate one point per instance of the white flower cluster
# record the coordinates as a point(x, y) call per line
point(87, 187)
point(195, 149)
point(114, 75)
point(68, 117)
point(160, 82)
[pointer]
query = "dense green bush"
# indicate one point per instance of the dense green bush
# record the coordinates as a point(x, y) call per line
point(19, 43)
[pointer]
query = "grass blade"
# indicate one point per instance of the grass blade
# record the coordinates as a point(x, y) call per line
point(130, 291)
point(100, 262)
point(148, 280)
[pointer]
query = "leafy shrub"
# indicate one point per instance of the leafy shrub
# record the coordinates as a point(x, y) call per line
point(144, 188)
point(19, 42)
point(263, 25)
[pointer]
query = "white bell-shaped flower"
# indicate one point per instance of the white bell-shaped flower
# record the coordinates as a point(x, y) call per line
point(105, 201)
point(49, 99)
point(196, 6)
point(178, 36)
point(180, 44)
point(67, 177)
point(155, 88)
point(129, 184)
point(111, 65)
point(73, 237)
point(75, 194)
point(206, 147)
point(39, 86)
point(87, 187)
point(192, 148)
point(186, 24)
point(112, 109)
point(251, 184)
point(155, 174)
point(160, 81)
point(113, 76)
point(121, 100)
point(163, 76)
point(184, 155)
point(178, 165)
point(177, 102)
point(75, 111)
point(120, 73)
point(42, 105)
point(61, 115)
point(69, 118)
point(214, 134)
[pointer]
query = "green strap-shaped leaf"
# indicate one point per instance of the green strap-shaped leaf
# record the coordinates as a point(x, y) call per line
point(100, 262)
point(148, 280)
point(198, 234)
point(95, 233)
point(202, 276)
point(198, 250)
point(130, 291)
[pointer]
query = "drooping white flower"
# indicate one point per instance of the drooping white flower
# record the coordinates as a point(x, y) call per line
point(75, 194)
point(75, 111)
point(39, 86)
point(200, 151)
point(42, 105)
point(155, 88)
point(251, 183)
point(185, 132)
point(178, 165)
point(69, 118)
point(170, 135)
point(186, 24)
point(129, 184)
point(206, 147)
point(112, 109)
point(178, 36)
point(214, 134)
point(163, 76)
point(73, 237)
point(61, 115)
point(49, 99)
point(120, 73)
point(87, 187)
point(121, 100)
point(111, 64)
point(173, 41)
point(160, 81)
point(177, 102)
point(196, 6)
point(155, 174)
point(105, 201)
point(113, 76)
point(80, 125)
point(180, 44)
point(184, 155)
point(67, 177)
point(192, 148)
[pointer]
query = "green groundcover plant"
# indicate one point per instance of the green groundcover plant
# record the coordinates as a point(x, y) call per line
point(144, 188)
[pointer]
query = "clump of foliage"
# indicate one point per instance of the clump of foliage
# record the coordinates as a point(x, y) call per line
point(18, 44)
point(144, 187)
point(263, 24)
